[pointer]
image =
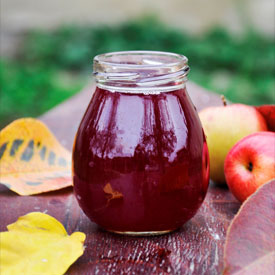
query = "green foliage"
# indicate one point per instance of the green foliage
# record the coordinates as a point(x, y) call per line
point(30, 90)
point(242, 68)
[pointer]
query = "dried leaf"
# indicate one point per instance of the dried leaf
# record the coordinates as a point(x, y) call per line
point(112, 194)
point(249, 247)
point(32, 161)
point(268, 112)
point(38, 244)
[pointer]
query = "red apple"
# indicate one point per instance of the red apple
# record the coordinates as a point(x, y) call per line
point(268, 112)
point(250, 163)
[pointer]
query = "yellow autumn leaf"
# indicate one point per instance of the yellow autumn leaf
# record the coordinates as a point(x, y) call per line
point(38, 244)
point(32, 161)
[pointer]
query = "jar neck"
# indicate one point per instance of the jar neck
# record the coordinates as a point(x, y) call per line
point(140, 71)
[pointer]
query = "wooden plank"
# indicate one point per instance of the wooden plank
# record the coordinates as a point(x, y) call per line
point(196, 248)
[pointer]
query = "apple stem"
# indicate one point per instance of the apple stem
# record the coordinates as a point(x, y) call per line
point(223, 100)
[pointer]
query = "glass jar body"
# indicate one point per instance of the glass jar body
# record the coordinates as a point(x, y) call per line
point(140, 162)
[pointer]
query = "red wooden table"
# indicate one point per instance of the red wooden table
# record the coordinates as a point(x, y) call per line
point(196, 248)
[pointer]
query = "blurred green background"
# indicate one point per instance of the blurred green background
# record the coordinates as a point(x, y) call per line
point(52, 65)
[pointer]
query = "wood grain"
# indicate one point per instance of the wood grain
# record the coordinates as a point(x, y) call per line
point(196, 248)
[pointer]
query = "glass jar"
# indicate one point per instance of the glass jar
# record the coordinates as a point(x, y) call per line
point(140, 159)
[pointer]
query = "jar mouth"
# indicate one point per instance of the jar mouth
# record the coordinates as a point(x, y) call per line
point(140, 70)
point(141, 59)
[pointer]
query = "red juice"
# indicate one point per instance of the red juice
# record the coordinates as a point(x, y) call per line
point(140, 162)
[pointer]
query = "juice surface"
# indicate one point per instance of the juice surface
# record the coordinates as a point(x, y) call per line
point(140, 162)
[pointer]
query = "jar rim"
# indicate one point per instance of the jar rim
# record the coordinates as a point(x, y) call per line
point(179, 59)
point(140, 71)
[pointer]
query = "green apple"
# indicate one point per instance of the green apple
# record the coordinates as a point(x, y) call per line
point(224, 126)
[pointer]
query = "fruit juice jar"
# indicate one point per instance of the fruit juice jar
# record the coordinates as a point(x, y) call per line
point(140, 159)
